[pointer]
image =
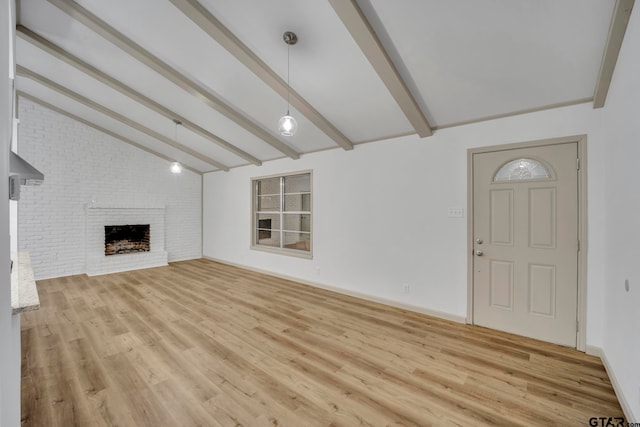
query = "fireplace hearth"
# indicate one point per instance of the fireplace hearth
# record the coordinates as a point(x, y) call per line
point(125, 239)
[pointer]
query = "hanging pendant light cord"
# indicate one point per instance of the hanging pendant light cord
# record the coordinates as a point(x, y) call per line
point(288, 85)
point(287, 125)
point(175, 133)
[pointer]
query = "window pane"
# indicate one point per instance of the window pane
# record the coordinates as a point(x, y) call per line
point(282, 213)
point(269, 186)
point(297, 183)
point(268, 221)
point(268, 203)
point(297, 222)
point(522, 169)
point(299, 241)
point(297, 202)
point(268, 230)
point(272, 240)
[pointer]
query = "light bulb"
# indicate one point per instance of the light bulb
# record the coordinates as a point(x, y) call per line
point(176, 167)
point(287, 125)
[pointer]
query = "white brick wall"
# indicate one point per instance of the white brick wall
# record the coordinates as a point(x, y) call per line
point(82, 165)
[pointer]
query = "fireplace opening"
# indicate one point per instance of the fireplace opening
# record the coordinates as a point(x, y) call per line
point(124, 239)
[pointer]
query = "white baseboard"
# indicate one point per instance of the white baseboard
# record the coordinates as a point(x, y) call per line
point(626, 408)
point(189, 258)
point(367, 297)
point(592, 350)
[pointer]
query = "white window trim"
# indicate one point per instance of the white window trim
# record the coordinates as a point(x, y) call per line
point(271, 249)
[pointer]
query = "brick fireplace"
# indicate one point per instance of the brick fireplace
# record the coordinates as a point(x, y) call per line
point(124, 238)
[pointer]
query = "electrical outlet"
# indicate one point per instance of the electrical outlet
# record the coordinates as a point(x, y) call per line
point(405, 288)
point(455, 213)
point(626, 285)
point(318, 271)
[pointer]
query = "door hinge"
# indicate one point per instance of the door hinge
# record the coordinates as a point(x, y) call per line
point(578, 163)
point(578, 245)
point(577, 326)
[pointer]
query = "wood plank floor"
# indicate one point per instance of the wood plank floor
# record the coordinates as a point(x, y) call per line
point(200, 343)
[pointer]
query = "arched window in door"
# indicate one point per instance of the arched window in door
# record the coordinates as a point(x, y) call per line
point(523, 169)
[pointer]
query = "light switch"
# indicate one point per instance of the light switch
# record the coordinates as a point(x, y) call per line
point(455, 213)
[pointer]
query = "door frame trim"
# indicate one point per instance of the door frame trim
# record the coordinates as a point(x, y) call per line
point(581, 140)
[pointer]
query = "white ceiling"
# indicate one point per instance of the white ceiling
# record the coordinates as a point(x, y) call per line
point(463, 60)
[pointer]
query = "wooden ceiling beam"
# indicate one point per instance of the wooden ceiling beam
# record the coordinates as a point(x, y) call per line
point(221, 34)
point(25, 72)
point(106, 131)
point(617, 28)
point(362, 32)
point(197, 90)
point(59, 53)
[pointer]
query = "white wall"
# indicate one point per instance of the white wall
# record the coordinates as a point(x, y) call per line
point(380, 212)
point(622, 124)
point(81, 164)
point(9, 324)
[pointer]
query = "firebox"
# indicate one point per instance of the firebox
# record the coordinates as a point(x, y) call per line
point(124, 239)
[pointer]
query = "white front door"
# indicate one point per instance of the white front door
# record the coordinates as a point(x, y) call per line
point(525, 223)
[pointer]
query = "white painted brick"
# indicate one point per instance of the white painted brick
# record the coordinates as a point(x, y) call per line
point(79, 162)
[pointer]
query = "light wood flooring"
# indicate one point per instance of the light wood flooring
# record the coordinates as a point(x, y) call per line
point(202, 343)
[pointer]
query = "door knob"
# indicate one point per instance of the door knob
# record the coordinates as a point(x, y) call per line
point(479, 253)
point(479, 241)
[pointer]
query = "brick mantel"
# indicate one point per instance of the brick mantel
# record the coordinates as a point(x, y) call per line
point(116, 207)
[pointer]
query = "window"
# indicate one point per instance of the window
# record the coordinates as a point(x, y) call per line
point(281, 212)
point(521, 170)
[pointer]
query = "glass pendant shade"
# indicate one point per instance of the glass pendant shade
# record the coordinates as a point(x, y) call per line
point(176, 167)
point(287, 125)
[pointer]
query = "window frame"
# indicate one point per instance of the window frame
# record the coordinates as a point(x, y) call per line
point(254, 217)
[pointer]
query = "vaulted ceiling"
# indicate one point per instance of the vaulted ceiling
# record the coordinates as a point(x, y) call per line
point(361, 71)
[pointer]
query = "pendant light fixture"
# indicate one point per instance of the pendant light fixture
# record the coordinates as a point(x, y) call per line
point(176, 167)
point(287, 124)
